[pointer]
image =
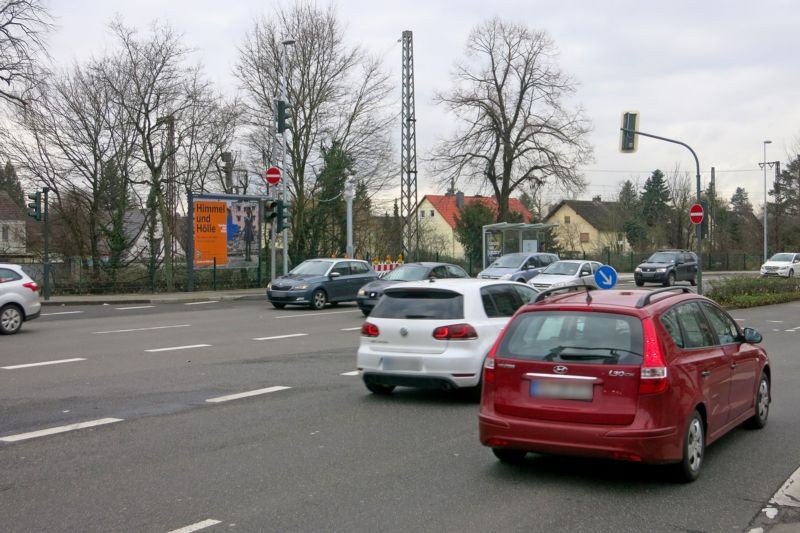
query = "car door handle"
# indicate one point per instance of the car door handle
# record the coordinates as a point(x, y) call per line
point(705, 373)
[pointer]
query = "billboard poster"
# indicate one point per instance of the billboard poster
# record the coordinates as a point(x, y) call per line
point(227, 229)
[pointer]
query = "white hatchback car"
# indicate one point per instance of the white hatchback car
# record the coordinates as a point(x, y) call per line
point(783, 264)
point(435, 334)
point(19, 298)
point(564, 272)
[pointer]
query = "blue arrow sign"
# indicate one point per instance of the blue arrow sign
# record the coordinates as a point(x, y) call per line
point(605, 277)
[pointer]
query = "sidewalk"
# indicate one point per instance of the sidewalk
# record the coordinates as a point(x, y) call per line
point(161, 297)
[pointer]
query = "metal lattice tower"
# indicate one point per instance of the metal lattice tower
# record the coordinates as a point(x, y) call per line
point(408, 153)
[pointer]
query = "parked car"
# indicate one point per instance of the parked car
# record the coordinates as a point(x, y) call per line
point(369, 294)
point(316, 282)
point(19, 298)
point(563, 272)
point(520, 266)
point(783, 264)
point(435, 334)
point(667, 267)
point(646, 376)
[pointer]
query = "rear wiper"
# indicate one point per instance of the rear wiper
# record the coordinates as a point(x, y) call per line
point(614, 353)
point(418, 316)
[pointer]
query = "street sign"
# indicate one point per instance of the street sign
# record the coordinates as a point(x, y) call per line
point(273, 175)
point(696, 214)
point(605, 277)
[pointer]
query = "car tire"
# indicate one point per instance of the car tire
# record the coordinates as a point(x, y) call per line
point(277, 305)
point(791, 273)
point(510, 456)
point(694, 446)
point(763, 398)
point(521, 280)
point(377, 388)
point(365, 312)
point(670, 281)
point(693, 281)
point(318, 300)
point(639, 283)
point(11, 319)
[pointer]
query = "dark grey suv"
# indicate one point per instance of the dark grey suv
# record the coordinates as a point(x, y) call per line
point(316, 282)
point(667, 267)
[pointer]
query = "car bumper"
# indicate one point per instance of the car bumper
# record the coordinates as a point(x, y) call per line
point(34, 313)
point(366, 304)
point(632, 443)
point(289, 297)
point(449, 370)
point(775, 273)
point(653, 277)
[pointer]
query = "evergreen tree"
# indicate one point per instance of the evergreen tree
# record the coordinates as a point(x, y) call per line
point(655, 198)
point(469, 229)
point(740, 202)
point(9, 182)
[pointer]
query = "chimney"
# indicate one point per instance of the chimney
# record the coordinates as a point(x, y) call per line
point(597, 199)
point(459, 200)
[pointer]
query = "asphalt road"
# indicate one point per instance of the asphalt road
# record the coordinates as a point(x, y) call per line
point(313, 450)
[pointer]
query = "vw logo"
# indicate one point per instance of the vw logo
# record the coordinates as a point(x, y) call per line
point(560, 369)
point(403, 332)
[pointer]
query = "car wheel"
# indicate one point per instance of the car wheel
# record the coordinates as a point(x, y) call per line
point(791, 273)
point(10, 319)
point(277, 305)
point(365, 312)
point(759, 420)
point(694, 445)
point(521, 280)
point(693, 281)
point(670, 281)
point(509, 455)
point(639, 283)
point(318, 300)
point(377, 388)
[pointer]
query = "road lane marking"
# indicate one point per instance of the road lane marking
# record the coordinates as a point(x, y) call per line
point(316, 313)
point(202, 303)
point(43, 363)
point(59, 429)
point(62, 313)
point(352, 329)
point(140, 329)
point(353, 373)
point(280, 337)
point(197, 527)
point(246, 394)
point(775, 321)
point(135, 307)
point(171, 348)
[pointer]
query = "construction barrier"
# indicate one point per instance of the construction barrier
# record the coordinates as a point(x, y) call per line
point(385, 267)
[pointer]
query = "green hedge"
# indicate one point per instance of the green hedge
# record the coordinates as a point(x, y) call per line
point(738, 292)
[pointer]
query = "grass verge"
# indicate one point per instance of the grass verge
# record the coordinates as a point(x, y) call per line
point(739, 292)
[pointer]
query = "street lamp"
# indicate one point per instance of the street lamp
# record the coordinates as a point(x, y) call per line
point(764, 166)
point(284, 96)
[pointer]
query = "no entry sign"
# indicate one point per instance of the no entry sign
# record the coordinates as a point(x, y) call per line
point(696, 214)
point(273, 175)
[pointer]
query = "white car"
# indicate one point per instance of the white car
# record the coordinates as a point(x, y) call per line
point(783, 264)
point(564, 272)
point(435, 334)
point(19, 298)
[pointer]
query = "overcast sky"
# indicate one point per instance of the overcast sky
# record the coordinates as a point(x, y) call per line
point(721, 76)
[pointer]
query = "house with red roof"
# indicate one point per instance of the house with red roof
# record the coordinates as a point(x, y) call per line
point(437, 218)
point(12, 226)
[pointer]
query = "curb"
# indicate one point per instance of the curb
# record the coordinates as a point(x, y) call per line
point(153, 300)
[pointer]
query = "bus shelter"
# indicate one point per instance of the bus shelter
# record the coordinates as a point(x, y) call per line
point(508, 237)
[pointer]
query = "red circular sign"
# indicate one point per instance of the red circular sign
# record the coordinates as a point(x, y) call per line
point(696, 214)
point(273, 175)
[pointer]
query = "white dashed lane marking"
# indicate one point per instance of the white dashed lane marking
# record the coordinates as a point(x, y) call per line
point(59, 429)
point(281, 337)
point(62, 313)
point(140, 329)
point(202, 303)
point(171, 348)
point(353, 373)
point(352, 329)
point(44, 363)
point(196, 527)
point(135, 307)
point(247, 394)
point(317, 314)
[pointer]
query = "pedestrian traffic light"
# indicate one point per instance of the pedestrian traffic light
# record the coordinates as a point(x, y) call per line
point(35, 207)
point(283, 221)
point(283, 113)
point(270, 210)
point(629, 141)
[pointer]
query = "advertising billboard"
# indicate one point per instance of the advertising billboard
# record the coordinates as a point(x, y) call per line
point(227, 232)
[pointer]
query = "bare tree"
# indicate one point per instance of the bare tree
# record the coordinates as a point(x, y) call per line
point(679, 230)
point(23, 27)
point(509, 95)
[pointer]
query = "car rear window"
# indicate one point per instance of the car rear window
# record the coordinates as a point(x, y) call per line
point(420, 304)
point(586, 337)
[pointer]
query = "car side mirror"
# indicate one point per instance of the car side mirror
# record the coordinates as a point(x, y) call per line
point(334, 275)
point(752, 336)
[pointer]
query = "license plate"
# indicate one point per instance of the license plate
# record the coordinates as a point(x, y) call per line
point(402, 363)
point(562, 391)
point(278, 294)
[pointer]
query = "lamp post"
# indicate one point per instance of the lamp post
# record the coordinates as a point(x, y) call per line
point(764, 166)
point(284, 96)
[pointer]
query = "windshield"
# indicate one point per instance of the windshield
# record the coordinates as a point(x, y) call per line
point(408, 273)
point(562, 269)
point(784, 258)
point(311, 268)
point(661, 257)
point(509, 261)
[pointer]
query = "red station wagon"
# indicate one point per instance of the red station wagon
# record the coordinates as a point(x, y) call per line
point(623, 374)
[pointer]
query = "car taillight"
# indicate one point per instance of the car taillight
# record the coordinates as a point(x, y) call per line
point(653, 377)
point(31, 285)
point(455, 332)
point(369, 330)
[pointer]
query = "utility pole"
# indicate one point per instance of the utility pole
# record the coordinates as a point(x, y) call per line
point(348, 196)
point(284, 97)
point(408, 153)
point(46, 210)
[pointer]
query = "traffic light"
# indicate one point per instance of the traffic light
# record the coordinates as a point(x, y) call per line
point(628, 141)
point(283, 112)
point(283, 220)
point(270, 210)
point(35, 207)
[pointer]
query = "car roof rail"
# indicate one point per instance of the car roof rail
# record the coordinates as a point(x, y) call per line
point(575, 286)
point(645, 299)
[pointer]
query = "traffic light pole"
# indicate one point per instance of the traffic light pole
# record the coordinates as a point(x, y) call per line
point(698, 230)
point(46, 287)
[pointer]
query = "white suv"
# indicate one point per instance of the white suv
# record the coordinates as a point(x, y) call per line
point(783, 264)
point(435, 334)
point(19, 298)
